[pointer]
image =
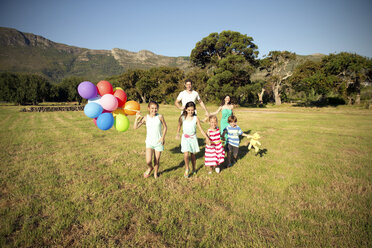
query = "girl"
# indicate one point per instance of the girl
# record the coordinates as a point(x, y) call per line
point(189, 141)
point(214, 153)
point(154, 138)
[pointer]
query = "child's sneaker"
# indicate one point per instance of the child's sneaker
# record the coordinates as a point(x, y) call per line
point(218, 169)
point(229, 165)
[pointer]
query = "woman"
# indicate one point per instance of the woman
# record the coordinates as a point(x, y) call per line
point(226, 109)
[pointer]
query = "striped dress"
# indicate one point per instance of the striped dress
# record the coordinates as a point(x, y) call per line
point(214, 153)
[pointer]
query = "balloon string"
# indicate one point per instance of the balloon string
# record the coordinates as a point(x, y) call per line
point(132, 110)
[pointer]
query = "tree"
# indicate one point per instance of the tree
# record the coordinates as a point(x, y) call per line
point(69, 86)
point(166, 81)
point(199, 77)
point(216, 46)
point(276, 66)
point(351, 69)
point(128, 81)
point(229, 58)
point(24, 88)
point(158, 83)
point(8, 86)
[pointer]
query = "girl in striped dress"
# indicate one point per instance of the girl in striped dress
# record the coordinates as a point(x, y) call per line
point(214, 153)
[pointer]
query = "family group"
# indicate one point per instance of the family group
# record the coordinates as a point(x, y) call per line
point(189, 121)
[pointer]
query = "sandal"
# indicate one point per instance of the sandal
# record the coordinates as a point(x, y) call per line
point(147, 173)
point(186, 175)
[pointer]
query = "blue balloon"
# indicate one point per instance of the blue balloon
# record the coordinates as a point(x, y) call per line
point(93, 110)
point(105, 121)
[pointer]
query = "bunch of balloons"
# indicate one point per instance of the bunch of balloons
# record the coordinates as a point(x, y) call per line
point(107, 106)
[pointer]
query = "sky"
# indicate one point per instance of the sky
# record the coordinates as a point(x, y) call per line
point(173, 27)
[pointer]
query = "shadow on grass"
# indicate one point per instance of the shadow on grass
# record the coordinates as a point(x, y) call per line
point(322, 102)
point(243, 151)
point(198, 155)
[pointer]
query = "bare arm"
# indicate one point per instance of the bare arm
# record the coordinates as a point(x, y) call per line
point(203, 106)
point(208, 141)
point(223, 134)
point(139, 121)
point(217, 111)
point(177, 103)
point(162, 139)
point(179, 127)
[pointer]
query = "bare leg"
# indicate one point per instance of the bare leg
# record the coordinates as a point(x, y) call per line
point(149, 153)
point(186, 158)
point(156, 163)
point(193, 161)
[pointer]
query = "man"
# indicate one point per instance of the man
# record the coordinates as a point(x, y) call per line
point(189, 95)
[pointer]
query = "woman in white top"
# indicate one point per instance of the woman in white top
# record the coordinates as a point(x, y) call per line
point(189, 95)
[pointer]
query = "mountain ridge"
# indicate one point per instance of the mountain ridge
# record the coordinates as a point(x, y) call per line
point(31, 53)
point(27, 52)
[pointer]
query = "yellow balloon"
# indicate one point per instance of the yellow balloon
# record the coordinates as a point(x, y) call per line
point(118, 111)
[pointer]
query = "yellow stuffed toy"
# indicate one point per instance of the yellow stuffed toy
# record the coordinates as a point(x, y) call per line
point(254, 142)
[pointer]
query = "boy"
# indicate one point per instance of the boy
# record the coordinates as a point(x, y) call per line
point(233, 131)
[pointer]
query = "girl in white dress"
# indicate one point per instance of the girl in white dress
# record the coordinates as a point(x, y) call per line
point(189, 141)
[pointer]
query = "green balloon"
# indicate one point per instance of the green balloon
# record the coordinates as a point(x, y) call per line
point(121, 123)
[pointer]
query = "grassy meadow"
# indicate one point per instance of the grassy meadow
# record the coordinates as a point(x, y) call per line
point(65, 183)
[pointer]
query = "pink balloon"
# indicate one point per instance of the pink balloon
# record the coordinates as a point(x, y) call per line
point(109, 102)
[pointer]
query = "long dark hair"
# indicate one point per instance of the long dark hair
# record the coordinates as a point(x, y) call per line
point(223, 100)
point(189, 104)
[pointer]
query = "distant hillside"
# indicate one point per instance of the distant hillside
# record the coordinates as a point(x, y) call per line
point(26, 52)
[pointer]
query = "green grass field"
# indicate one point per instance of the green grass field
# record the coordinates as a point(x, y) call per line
point(64, 182)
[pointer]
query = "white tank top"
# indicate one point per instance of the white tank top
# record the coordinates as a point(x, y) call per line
point(153, 127)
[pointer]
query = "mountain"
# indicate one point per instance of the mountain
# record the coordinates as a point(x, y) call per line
point(26, 52)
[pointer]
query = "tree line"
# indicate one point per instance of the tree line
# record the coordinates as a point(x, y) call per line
point(222, 64)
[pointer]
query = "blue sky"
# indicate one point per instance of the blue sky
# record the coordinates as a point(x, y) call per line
point(172, 28)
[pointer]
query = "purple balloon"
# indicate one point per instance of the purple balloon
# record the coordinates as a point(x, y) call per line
point(87, 90)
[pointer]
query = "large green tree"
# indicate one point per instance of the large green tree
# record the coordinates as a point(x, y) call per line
point(229, 59)
point(275, 64)
point(309, 79)
point(352, 69)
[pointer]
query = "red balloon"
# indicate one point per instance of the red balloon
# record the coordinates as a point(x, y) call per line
point(104, 87)
point(121, 96)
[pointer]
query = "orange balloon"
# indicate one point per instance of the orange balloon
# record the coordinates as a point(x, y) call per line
point(131, 107)
point(121, 96)
point(104, 87)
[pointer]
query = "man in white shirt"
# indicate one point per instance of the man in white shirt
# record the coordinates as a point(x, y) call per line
point(189, 95)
